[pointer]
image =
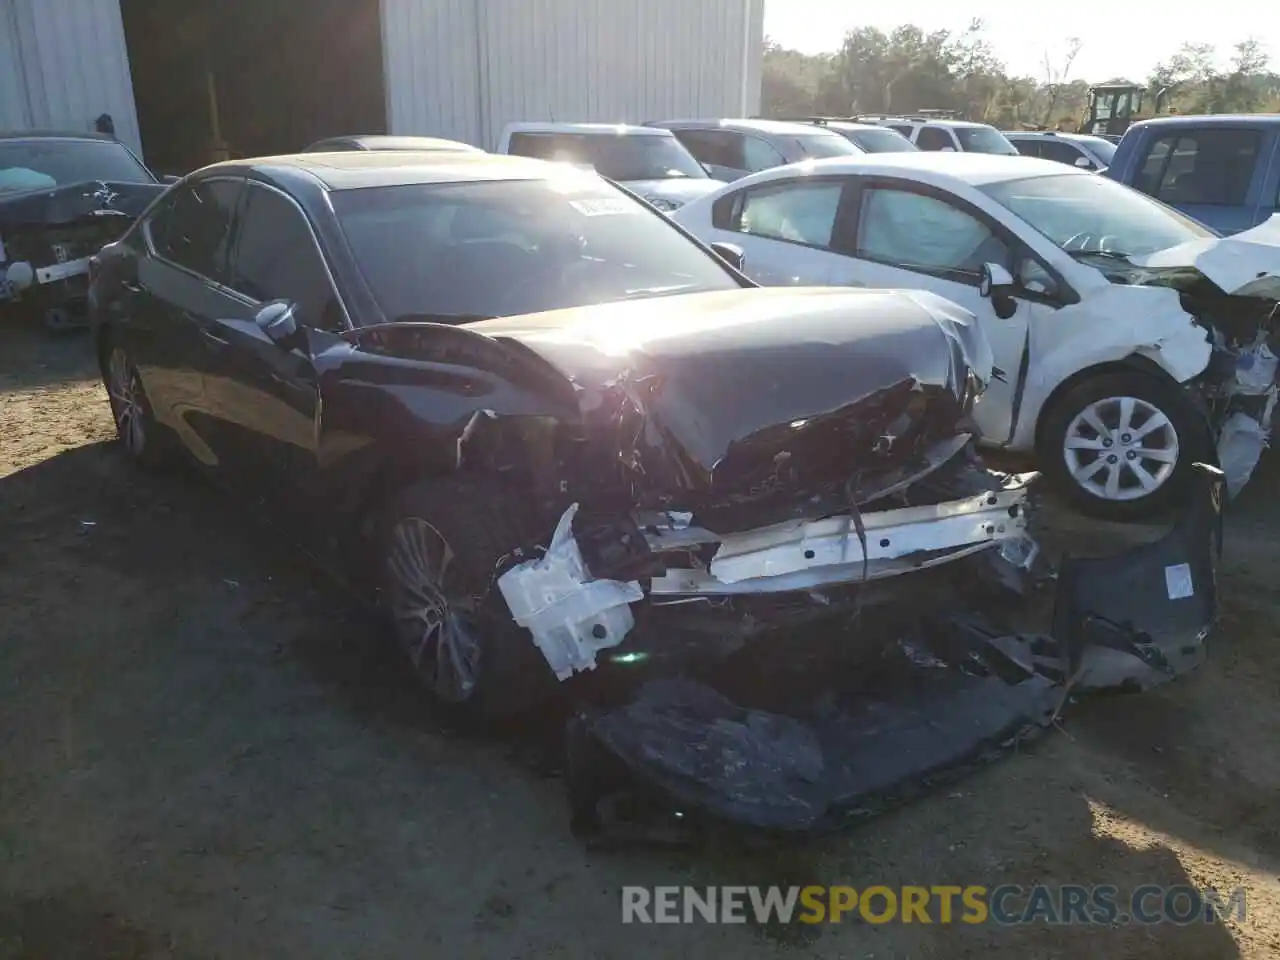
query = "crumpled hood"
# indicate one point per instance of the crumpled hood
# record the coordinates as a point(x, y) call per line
point(716, 368)
point(679, 189)
point(1245, 264)
point(74, 201)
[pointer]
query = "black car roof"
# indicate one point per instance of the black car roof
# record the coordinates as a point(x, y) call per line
point(377, 168)
point(54, 135)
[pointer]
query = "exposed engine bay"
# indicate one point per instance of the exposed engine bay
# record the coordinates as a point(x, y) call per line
point(783, 532)
point(47, 237)
point(1230, 286)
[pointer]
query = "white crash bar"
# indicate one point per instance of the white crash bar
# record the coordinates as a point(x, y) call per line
point(801, 554)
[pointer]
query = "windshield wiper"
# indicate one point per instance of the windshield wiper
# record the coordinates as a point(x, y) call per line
point(1105, 254)
point(409, 320)
point(441, 317)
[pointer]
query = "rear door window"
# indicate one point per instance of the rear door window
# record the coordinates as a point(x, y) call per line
point(1028, 148)
point(1212, 166)
point(935, 138)
point(193, 229)
point(1060, 151)
point(801, 212)
point(718, 148)
point(276, 258)
point(759, 155)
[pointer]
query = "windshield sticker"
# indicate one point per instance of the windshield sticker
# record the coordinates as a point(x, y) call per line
point(604, 206)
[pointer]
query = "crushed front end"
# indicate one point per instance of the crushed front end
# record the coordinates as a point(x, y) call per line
point(788, 623)
point(47, 238)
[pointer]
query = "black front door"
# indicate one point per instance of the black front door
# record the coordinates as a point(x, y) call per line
point(265, 394)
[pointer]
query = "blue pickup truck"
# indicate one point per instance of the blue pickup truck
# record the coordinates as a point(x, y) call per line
point(1221, 170)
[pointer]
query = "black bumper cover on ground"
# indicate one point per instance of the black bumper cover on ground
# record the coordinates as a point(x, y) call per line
point(681, 755)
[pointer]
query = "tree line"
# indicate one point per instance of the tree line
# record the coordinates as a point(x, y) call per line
point(908, 69)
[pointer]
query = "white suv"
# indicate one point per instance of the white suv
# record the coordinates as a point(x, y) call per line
point(952, 136)
point(647, 161)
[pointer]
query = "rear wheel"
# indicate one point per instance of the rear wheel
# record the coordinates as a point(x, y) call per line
point(1120, 446)
point(444, 543)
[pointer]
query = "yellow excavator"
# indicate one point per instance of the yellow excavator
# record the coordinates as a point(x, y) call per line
point(1114, 106)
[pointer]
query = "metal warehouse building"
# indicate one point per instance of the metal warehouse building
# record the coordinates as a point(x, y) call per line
point(188, 80)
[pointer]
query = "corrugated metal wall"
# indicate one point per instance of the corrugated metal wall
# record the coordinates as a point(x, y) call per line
point(62, 64)
point(464, 68)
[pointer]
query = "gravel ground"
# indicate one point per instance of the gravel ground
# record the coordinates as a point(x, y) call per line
point(206, 754)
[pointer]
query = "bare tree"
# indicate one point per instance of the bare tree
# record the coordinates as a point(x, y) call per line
point(1054, 79)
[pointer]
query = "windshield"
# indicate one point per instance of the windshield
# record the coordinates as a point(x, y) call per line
point(622, 157)
point(984, 140)
point(44, 164)
point(1086, 213)
point(819, 146)
point(1104, 150)
point(880, 140)
point(518, 246)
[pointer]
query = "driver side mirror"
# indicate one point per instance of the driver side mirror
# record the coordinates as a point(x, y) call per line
point(277, 320)
point(732, 254)
point(1083, 162)
point(997, 286)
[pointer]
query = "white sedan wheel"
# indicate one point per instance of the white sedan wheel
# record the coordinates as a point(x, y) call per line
point(1121, 448)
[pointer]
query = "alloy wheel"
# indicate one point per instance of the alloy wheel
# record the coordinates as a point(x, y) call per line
point(125, 391)
point(435, 625)
point(1121, 448)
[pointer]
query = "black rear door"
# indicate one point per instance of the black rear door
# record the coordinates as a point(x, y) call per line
point(172, 301)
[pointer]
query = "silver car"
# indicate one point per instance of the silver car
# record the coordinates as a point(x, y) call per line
point(730, 149)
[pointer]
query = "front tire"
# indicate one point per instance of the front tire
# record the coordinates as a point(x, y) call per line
point(1120, 446)
point(136, 427)
point(444, 542)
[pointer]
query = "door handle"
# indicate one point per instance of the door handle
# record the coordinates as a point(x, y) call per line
point(213, 339)
point(131, 286)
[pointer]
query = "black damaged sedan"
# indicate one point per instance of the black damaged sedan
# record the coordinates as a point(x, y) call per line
point(558, 441)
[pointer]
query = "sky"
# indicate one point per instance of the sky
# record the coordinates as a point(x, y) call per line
point(1121, 39)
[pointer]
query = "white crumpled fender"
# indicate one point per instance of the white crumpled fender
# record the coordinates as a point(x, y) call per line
point(1112, 324)
point(1246, 264)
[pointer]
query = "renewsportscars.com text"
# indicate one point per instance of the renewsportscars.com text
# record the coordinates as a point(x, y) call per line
point(1004, 905)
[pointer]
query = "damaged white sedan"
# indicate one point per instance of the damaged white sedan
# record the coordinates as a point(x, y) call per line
point(1130, 342)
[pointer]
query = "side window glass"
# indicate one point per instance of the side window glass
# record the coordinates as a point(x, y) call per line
point(934, 138)
point(1062, 152)
point(705, 146)
point(1148, 178)
point(528, 145)
point(1034, 278)
point(902, 128)
point(277, 259)
point(197, 230)
point(157, 225)
point(759, 155)
point(923, 233)
point(1028, 148)
point(1211, 167)
point(799, 212)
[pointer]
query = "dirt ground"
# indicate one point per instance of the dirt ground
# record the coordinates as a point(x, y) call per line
point(206, 754)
